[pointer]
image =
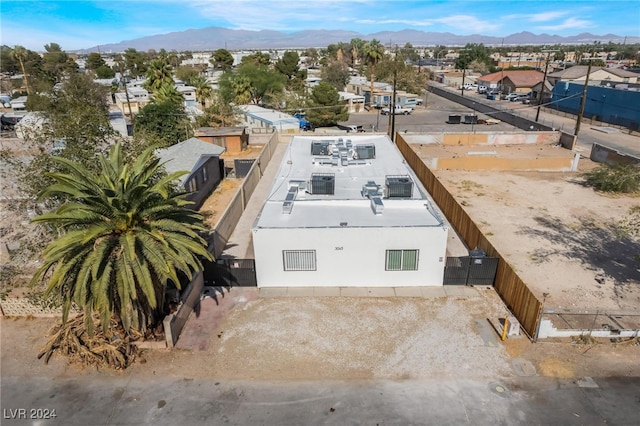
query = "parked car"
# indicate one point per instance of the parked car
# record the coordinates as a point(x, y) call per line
point(482, 89)
point(523, 97)
point(398, 110)
point(510, 96)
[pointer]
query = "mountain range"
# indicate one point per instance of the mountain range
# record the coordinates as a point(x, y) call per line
point(213, 38)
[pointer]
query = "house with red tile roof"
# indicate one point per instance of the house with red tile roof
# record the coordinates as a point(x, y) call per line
point(519, 81)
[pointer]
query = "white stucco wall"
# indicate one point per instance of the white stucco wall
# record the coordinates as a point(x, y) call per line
point(350, 256)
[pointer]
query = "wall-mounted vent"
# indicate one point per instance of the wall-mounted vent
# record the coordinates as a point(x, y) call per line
point(400, 186)
point(320, 147)
point(323, 183)
point(366, 152)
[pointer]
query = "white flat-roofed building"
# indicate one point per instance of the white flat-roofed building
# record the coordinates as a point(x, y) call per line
point(348, 211)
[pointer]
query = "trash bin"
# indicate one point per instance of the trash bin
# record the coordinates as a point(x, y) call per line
point(470, 119)
point(454, 119)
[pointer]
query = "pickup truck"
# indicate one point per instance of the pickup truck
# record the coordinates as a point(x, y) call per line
point(397, 110)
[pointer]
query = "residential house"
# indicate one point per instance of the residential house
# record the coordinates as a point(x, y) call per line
point(348, 212)
point(189, 94)
point(133, 101)
point(19, 103)
point(233, 139)
point(381, 91)
point(518, 81)
point(260, 119)
point(353, 102)
point(455, 78)
point(201, 160)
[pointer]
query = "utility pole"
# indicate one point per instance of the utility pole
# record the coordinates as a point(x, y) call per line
point(463, 62)
point(392, 107)
point(583, 101)
point(544, 81)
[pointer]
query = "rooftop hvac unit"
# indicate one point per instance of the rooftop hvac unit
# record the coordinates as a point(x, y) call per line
point(399, 186)
point(323, 183)
point(366, 151)
point(320, 147)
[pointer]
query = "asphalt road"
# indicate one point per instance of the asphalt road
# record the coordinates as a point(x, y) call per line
point(433, 114)
point(193, 401)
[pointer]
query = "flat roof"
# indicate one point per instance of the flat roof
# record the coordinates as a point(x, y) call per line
point(347, 206)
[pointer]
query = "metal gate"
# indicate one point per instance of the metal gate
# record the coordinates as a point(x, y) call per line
point(231, 273)
point(470, 270)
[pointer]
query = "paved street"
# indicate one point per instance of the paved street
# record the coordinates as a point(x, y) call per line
point(432, 117)
point(194, 401)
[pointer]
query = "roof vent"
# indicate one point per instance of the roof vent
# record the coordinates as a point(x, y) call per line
point(287, 205)
point(376, 205)
point(323, 183)
point(400, 186)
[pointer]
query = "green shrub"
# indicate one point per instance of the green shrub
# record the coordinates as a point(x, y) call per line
point(618, 178)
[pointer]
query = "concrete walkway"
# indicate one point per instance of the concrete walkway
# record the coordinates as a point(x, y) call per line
point(240, 244)
point(419, 292)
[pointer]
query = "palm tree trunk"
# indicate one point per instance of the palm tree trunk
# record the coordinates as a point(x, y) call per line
point(24, 76)
point(371, 93)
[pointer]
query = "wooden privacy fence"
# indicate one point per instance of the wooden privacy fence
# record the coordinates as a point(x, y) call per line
point(513, 291)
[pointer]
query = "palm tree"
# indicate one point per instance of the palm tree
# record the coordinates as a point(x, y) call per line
point(373, 51)
point(203, 90)
point(21, 54)
point(159, 74)
point(126, 235)
point(169, 94)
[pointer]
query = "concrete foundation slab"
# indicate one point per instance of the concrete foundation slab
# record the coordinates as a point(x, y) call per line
point(460, 291)
point(326, 291)
point(409, 292)
point(300, 292)
point(353, 292)
point(380, 292)
point(433, 292)
point(273, 292)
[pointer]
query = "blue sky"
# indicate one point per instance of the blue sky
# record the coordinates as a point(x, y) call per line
point(83, 24)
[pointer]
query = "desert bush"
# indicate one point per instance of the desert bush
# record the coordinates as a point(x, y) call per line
point(622, 178)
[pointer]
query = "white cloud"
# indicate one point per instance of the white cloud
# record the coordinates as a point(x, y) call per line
point(569, 23)
point(423, 23)
point(468, 24)
point(538, 17)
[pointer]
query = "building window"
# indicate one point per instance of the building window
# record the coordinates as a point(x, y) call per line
point(299, 260)
point(402, 260)
point(205, 174)
point(191, 186)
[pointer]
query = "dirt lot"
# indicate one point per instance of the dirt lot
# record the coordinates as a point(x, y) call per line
point(560, 235)
point(341, 339)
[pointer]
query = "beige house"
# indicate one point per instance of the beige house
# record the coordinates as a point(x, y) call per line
point(598, 75)
point(138, 99)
